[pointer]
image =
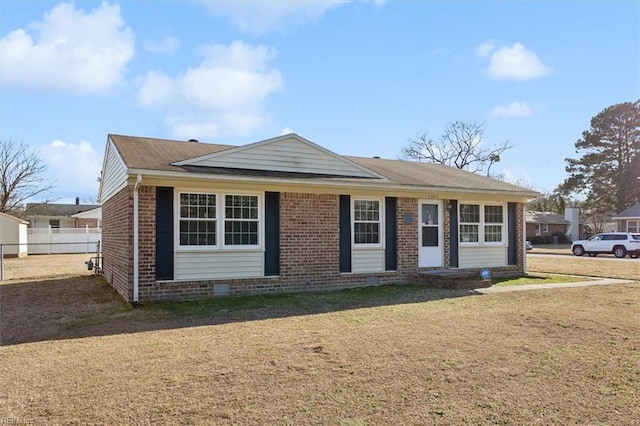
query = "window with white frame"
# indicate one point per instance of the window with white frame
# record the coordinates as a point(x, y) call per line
point(481, 223)
point(469, 223)
point(197, 219)
point(537, 229)
point(366, 222)
point(493, 224)
point(633, 226)
point(545, 228)
point(203, 217)
point(241, 220)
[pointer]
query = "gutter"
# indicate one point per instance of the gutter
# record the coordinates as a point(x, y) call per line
point(373, 184)
point(136, 240)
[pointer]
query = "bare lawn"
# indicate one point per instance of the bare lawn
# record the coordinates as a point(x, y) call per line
point(73, 353)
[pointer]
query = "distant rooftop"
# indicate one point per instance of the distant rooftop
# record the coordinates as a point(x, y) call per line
point(34, 209)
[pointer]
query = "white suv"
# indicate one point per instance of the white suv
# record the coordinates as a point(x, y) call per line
point(618, 243)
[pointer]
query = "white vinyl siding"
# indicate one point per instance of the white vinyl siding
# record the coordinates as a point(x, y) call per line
point(286, 155)
point(213, 265)
point(114, 176)
point(367, 260)
point(482, 256)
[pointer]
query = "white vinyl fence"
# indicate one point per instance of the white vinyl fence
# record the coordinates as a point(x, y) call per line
point(63, 240)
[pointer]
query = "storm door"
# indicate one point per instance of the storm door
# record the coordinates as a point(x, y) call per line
point(430, 238)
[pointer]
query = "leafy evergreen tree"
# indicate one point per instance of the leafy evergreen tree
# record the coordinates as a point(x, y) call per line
point(605, 173)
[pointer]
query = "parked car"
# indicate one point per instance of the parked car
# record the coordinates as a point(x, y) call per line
point(528, 245)
point(618, 243)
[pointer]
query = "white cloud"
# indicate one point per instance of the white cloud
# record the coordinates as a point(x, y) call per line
point(485, 48)
point(69, 50)
point(286, 131)
point(223, 96)
point(259, 17)
point(511, 63)
point(167, 45)
point(514, 109)
point(75, 167)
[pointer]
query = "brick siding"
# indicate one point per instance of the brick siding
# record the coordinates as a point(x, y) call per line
point(117, 241)
point(309, 254)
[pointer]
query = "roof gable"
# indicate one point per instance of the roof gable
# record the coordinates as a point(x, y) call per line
point(289, 153)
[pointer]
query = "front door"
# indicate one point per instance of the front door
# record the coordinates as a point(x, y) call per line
point(430, 234)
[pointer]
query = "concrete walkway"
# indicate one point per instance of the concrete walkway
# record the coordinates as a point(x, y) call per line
point(594, 281)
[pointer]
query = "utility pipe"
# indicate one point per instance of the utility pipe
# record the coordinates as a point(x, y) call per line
point(136, 239)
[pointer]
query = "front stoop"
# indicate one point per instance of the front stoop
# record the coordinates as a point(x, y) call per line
point(453, 279)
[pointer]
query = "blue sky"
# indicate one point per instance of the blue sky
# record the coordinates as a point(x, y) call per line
point(359, 78)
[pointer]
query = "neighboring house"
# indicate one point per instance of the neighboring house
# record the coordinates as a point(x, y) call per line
point(188, 220)
point(13, 236)
point(91, 218)
point(545, 224)
point(628, 220)
point(62, 215)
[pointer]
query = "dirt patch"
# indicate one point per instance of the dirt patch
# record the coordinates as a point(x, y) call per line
point(384, 356)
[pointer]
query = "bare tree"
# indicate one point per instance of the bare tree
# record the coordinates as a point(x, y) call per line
point(22, 176)
point(459, 146)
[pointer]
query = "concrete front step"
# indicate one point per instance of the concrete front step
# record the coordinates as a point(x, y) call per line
point(453, 279)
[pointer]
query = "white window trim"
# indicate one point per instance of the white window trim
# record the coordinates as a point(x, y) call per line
point(538, 229)
point(545, 228)
point(381, 217)
point(220, 222)
point(482, 224)
point(637, 223)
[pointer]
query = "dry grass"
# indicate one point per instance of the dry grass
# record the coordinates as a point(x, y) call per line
point(45, 266)
point(586, 266)
point(74, 354)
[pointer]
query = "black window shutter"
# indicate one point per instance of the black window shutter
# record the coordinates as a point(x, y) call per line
point(390, 254)
point(272, 233)
point(513, 237)
point(345, 233)
point(164, 233)
point(453, 234)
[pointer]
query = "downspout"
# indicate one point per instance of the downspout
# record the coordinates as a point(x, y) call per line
point(136, 239)
point(523, 249)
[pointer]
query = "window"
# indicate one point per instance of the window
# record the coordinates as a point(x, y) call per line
point(537, 229)
point(493, 222)
point(54, 223)
point(366, 221)
point(469, 223)
point(482, 223)
point(241, 220)
point(197, 220)
point(633, 226)
point(218, 220)
point(545, 228)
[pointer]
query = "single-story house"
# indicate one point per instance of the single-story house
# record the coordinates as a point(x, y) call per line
point(13, 236)
point(187, 220)
point(61, 215)
point(545, 224)
point(628, 220)
point(89, 218)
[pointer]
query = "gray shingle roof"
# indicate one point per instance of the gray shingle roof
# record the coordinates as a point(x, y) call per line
point(158, 155)
point(545, 217)
point(633, 211)
point(57, 209)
